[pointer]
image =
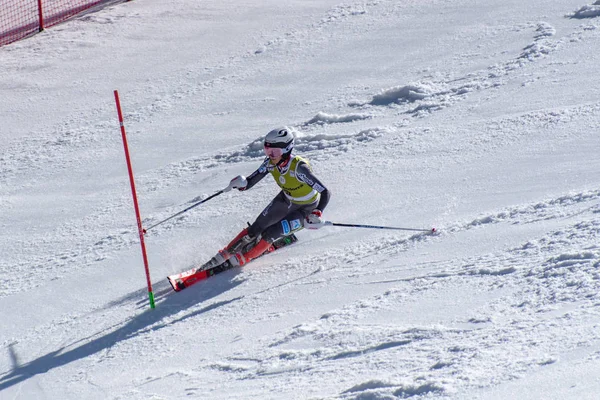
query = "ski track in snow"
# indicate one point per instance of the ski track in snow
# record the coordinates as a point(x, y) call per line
point(519, 284)
point(69, 137)
point(419, 99)
point(516, 285)
point(562, 285)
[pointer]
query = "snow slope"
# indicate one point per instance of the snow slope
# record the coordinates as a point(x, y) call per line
point(480, 118)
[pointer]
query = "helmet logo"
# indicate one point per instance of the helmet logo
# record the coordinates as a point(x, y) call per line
point(282, 179)
point(282, 132)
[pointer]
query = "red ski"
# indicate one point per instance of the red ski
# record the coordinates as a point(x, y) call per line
point(188, 278)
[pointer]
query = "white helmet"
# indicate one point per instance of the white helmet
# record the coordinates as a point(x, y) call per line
point(281, 138)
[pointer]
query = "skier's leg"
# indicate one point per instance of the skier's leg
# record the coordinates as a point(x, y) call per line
point(241, 241)
point(236, 245)
point(256, 251)
point(249, 237)
point(240, 235)
point(289, 224)
point(278, 208)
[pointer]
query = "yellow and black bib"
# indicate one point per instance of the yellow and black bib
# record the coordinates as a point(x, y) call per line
point(296, 191)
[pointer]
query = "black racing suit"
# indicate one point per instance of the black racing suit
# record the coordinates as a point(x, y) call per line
point(282, 216)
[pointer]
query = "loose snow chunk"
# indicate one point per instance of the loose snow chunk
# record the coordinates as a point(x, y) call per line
point(323, 118)
point(418, 390)
point(544, 30)
point(400, 94)
point(588, 11)
point(374, 384)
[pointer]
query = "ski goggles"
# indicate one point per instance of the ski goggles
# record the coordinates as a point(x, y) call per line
point(273, 152)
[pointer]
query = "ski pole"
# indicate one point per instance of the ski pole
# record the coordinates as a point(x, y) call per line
point(187, 209)
point(329, 223)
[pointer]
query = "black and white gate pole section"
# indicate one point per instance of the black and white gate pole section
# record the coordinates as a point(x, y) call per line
point(135, 202)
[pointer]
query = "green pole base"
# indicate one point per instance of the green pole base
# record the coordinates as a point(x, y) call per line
point(151, 296)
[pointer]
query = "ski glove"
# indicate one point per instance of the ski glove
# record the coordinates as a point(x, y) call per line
point(239, 183)
point(314, 220)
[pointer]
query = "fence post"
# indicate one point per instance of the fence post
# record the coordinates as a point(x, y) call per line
point(41, 15)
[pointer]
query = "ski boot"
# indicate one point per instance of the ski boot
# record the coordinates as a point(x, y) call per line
point(256, 251)
point(242, 242)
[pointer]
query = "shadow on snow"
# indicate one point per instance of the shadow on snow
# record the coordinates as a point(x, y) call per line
point(168, 303)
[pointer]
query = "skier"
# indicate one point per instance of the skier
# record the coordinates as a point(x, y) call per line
point(299, 204)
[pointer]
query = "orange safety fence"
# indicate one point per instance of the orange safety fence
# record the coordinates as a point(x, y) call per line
point(21, 18)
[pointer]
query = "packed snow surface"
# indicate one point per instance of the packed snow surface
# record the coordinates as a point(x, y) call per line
point(479, 118)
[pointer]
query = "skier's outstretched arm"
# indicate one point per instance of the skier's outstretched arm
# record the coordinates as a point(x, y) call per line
point(242, 183)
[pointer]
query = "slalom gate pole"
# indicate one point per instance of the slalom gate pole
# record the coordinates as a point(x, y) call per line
point(186, 210)
point(329, 223)
point(135, 202)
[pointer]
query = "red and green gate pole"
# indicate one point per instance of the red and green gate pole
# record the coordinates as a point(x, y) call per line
point(135, 202)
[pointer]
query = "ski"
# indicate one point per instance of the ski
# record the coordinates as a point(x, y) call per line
point(188, 278)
